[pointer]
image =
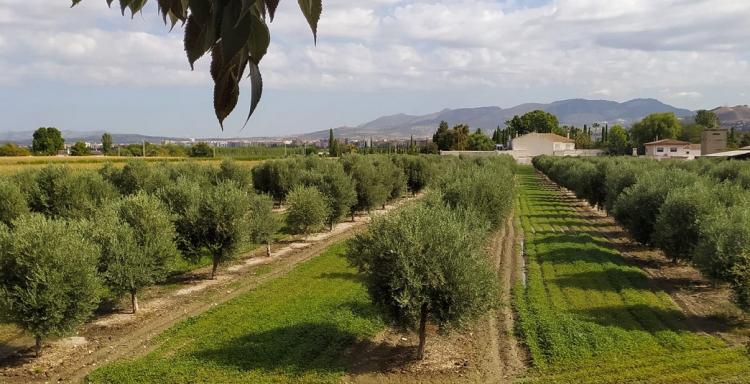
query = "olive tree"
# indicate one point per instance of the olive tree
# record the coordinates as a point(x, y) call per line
point(223, 222)
point(264, 223)
point(12, 201)
point(136, 236)
point(59, 191)
point(338, 188)
point(677, 227)
point(307, 210)
point(723, 251)
point(372, 191)
point(425, 264)
point(638, 206)
point(48, 279)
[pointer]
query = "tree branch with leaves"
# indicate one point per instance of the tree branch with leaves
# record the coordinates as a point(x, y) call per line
point(235, 33)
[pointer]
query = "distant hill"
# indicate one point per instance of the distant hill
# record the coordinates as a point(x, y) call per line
point(737, 116)
point(571, 112)
point(25, 137)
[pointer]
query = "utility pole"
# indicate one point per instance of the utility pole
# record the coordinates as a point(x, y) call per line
point(144, 147)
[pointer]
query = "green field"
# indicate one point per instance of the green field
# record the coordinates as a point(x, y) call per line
point(293, 329)
point(589, 317)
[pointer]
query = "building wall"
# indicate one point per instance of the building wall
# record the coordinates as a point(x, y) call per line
point(668, 151)
point(534, 145)
point(713, 141)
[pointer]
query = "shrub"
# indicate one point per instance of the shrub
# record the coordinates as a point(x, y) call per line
point(12, 202)
point(240, 175)
point(677, 226)
point(338, 188)
point(425, 263)
point(723, 251)
point(48, 280)
point(638, 206)
point(60, 192)
point(276, 177)
point(372, 190)
point(307, 210)
point(485, 191)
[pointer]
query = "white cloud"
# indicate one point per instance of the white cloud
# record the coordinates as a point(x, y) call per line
point(591, 47)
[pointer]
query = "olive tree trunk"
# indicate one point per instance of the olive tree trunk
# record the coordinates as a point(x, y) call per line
point(38, 345)
point(268, 248)
point(134, 301)
point(422, 331)
point(216, 260)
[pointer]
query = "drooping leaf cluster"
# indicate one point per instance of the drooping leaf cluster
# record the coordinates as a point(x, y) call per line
point(233, 32)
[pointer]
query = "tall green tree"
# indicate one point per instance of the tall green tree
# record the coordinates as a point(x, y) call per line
point(707, 119)
point(236, 35)
point(534, 121)
point(478, 141)
point(443, 137)
point(80, 149)
point(617, 141)
point(106, 143)
point(657, 125)
point(47, 141)
point(48, 279)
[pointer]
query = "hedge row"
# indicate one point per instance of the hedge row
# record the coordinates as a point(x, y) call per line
point(697, 211)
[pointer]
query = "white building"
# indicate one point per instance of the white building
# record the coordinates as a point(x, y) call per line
point(535, 144)
point(670, 148)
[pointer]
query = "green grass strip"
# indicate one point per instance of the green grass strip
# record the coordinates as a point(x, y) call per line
point(587, 316)
point(292, 329)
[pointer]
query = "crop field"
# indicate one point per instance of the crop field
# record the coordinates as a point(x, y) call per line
point(293, 329)
point(587, 316)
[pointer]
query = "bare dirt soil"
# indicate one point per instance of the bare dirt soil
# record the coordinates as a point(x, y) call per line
point(486, 352)
point(121, 334)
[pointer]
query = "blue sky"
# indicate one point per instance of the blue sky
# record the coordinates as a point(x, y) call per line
point(89, 68)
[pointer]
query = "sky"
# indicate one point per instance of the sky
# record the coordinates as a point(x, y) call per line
point(90, 68)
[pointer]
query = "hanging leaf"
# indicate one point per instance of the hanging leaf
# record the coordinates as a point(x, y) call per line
point(272, 5)
point(234, 32)
point(256, 84)
point(260, 38)
point(124, 4)
point(194, 38)
point(136, 6)
point(312, 10)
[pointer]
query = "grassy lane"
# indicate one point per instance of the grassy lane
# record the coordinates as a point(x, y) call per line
point(293, 329)
point(589, 317)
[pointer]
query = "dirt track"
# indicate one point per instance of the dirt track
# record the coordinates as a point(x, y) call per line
point(123, 335)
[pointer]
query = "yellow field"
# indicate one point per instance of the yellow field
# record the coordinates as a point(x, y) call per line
point(12, 165)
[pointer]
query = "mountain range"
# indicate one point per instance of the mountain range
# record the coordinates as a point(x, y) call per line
point(570, 112)
point(737, 116)
point(401, 126)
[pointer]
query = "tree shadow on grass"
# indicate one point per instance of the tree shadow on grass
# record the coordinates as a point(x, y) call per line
point(296, 350)
point(654, 319)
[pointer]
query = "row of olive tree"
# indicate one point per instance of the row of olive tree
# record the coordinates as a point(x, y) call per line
point(694, 211)
point(426, 263)
point(70, 239)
